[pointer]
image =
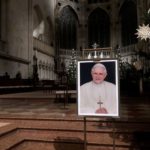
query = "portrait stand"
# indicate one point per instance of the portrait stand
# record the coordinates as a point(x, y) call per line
point(95, 55)
point(85, 133)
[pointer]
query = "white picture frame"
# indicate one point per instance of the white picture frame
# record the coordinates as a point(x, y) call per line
point(86, 106)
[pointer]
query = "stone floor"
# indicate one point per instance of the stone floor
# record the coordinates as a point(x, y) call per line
point(35, 120)
point(35, 105)
point(39, 104)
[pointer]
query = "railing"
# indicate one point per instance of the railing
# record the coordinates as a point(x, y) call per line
point(125, 54)
point(43, 47)
point(105, 52)
point(89, 53)
point(98, 53)
point(128, 50)
point(68, 52)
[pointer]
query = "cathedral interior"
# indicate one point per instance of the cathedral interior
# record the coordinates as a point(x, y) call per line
point(40, 44)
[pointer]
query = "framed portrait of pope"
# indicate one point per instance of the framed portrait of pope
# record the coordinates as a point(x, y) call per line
point(98, 88)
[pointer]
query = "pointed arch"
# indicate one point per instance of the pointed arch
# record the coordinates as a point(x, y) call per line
point(128, 16)
point(67, 28)
point(99, 28)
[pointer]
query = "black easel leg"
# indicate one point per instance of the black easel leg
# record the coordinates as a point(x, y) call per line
point(85, 138)
point(114, 146)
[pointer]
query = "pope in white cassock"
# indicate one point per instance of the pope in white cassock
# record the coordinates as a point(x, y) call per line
point(98, 96)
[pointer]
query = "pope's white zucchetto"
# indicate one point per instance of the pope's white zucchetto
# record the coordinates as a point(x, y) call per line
point(99, 65)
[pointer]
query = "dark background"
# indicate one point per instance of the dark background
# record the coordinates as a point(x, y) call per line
point(85, 71)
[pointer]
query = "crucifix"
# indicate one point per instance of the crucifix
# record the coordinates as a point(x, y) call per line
point(95, 45)
point(100, 103)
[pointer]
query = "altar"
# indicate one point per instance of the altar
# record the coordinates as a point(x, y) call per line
point(98, 53)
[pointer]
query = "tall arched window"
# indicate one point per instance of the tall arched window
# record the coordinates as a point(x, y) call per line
point(128, 15)
point(67, 24)
point(0, 20)
point(99, 28)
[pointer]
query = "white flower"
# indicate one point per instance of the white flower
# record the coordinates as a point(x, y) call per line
point(143, 32)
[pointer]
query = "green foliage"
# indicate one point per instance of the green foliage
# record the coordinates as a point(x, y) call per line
point(72, 69)
point(71, 73)
point(128, 72)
